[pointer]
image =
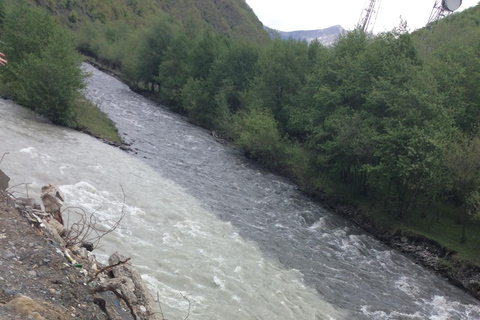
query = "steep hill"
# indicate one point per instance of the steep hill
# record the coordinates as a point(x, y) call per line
point(233, 18)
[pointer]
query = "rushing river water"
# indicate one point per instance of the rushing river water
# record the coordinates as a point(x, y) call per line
point(206, 223)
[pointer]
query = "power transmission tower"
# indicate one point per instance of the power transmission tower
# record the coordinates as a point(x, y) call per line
point(369, 11)
point(443, 8)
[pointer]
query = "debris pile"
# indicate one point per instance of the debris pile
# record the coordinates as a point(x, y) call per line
point(116, 291)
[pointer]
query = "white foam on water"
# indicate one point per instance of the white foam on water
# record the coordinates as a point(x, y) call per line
point(407, 286)
point(443, 309)
point(179, 247)
point(393, 315)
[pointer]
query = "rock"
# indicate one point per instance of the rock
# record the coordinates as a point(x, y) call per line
point(8, 255)
point(52, 198)
point(57, 226)
point(123, 284)
point(4, 179)
point(32, 273)
point(25, 307)
point(141, 291)
point(53, 232)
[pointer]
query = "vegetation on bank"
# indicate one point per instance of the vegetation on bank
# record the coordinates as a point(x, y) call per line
point(43, 71)
point(390, 123)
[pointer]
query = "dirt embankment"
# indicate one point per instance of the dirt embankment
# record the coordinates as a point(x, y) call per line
point(42, 279)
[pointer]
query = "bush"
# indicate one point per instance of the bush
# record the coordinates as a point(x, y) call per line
point(43, 72)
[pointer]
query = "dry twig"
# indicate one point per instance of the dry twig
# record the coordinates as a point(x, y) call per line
point(87, 228)
point(159, 305)
point(3, 156)
point(189, 304)
point(106, 268)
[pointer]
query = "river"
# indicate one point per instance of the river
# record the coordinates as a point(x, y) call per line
point(206, 223)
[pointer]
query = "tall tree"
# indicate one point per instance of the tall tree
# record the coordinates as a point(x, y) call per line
point(43, 72)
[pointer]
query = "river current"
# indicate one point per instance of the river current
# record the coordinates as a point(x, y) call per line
point(205, 223)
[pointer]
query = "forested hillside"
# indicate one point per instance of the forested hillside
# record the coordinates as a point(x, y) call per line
point(233, 18)
point(389, 123)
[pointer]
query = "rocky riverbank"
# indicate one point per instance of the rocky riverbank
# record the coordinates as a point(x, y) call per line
point(44, 275)
point(423, 251)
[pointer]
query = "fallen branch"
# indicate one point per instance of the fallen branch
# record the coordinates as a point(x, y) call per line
point(188, 313)
point(159, 305)
point(3, 156)
point(87, 228)
point(106, 268)
point(104, 288)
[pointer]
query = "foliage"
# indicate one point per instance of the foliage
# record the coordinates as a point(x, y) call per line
point(392, 118)
point(43, 72)
point(232, 18)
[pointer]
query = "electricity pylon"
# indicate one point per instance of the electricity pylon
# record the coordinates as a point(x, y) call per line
point(443, 8)
point(369, 15)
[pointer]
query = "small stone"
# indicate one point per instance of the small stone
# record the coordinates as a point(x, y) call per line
point(52, 291)
point(46, 260)
point(9, 292)
point(9, 255)
point(11, 243)
point(32, 273)
point(143, 309)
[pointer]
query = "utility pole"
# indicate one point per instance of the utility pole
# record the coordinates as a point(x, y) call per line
point(365, 23)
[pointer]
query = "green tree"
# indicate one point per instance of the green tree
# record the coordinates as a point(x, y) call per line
point(153, 43)
point(257, 133)
point(174, 70)
point(281, 72)
point(43, 72)
point(463, 165)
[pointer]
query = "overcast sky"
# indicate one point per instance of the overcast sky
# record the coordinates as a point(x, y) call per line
point(291, 15)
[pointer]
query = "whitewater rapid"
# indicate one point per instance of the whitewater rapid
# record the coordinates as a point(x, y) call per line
point(204, 222)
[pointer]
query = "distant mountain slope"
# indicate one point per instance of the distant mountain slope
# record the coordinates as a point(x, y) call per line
point(233, 18)
point(324, 36)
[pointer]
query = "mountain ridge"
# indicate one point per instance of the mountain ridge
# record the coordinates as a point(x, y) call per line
point(326, 36)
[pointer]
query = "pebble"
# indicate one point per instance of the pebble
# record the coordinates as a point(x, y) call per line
point(32, 273)
point(9, 255)
point(9, 292)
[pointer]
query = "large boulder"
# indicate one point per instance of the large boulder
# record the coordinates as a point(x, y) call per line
point(4, 179)
point(52, 198)
point(144, 302)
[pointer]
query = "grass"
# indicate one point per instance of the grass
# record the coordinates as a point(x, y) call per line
point(90, 119)
point(439, 223)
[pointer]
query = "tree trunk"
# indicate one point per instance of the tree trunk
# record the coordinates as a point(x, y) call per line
point(464, 223)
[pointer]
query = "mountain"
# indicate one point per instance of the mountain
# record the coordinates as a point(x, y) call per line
point(325, 36)
point(233, 18)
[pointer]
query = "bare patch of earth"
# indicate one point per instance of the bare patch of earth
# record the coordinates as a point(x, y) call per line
point(37, 281)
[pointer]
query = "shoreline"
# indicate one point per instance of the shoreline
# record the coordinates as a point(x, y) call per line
point(423, 251)
point(47, 272)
